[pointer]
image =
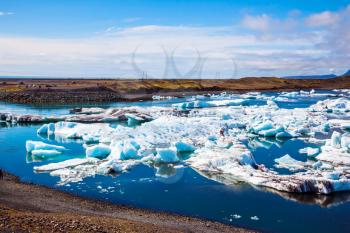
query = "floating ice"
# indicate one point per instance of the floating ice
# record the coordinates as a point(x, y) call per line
point(336, 150)
point(37, 145)
point(98, 151)
point(331, 105)
point(184, 147)
point(167, 155)
point(336, 140)
point(115, 166)
point(65, 164)
point(310, 151)
point(43, 129)
point(288, 162)
point(213, 129)
point(45, 153)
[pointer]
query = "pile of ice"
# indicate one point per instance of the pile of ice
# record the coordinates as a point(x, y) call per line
point(214, 139)
point(331, 105)
point(210, 104)
point(89, 133)
point(336, 150)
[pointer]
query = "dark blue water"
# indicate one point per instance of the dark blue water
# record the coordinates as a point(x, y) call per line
point(182, 190)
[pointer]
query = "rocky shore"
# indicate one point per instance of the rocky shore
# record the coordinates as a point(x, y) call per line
point(87, 95)
point(33, 208)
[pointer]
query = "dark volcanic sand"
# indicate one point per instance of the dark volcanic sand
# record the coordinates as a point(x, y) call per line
point(33, 208)
point(64, 91)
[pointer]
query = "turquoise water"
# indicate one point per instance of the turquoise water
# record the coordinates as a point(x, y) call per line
point(181, 189)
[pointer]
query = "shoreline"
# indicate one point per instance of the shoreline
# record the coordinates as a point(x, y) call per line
point(30, 207)
point(65, 91)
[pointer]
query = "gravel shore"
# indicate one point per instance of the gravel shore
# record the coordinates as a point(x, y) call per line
point(33, 208)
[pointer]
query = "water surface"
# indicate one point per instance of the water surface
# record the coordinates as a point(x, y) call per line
point(180, 189)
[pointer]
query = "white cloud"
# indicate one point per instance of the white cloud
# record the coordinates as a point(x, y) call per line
point(325, 18)
point(261, 22)
point(2, 13)
point(272, 46)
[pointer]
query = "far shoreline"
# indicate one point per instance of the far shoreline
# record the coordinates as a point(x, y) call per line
point(94, 91)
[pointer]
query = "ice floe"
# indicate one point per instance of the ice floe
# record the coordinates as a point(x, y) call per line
point(217, 134)
point(38, 145)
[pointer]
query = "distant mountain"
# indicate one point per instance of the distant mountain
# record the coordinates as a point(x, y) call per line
point(347, 73)
point(324, 76)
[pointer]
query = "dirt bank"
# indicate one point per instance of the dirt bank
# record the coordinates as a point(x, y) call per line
point(64, 91)
point(33, 208)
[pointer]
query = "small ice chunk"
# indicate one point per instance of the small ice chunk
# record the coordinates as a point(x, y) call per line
point(284, 134)
point(46, 153)
point(89, 139)
point(114, 166)
point(345, 141)
point(98, 151)
point(288, 162)
point(43, 129)
point(51, 129)
point(184, 147)
point(255, 218)
point(317, 165)
point(263, 126)
point(38, 145)
point(332, 175)
point(130, 150)
point(236, 216)
point(271, 132)
point(167, 155)
point(336, 140)
point(65, 164)
point(311, 152)
point(246, 159)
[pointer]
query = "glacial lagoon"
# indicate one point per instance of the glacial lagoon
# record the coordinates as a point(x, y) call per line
point(182, 186)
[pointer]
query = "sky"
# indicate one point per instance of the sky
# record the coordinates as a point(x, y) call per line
point(173, 38)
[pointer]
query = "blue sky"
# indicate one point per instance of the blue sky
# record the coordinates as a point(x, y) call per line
point(111, 38)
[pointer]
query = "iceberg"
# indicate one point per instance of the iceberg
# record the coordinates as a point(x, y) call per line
point(38, 145)
point(98, 151)
point(115, 166)
point(65, 164)
point(45, 153)
point(184, 147)
point(311, 152)
point(167, 155)
point(43, 129)
point(289, 163)
point(341, 105)
point(130, 150)
point(336, 140)
point(271, 132)
point(262, 126)
point(51, 129)
point(336, 150)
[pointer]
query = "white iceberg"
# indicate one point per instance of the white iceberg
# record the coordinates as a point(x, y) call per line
point(45, 153)
point(38, 145)
point(65, 164)
point(310, 151)
point(289, 163)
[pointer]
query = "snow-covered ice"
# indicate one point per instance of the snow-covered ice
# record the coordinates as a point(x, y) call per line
point(218, 133)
